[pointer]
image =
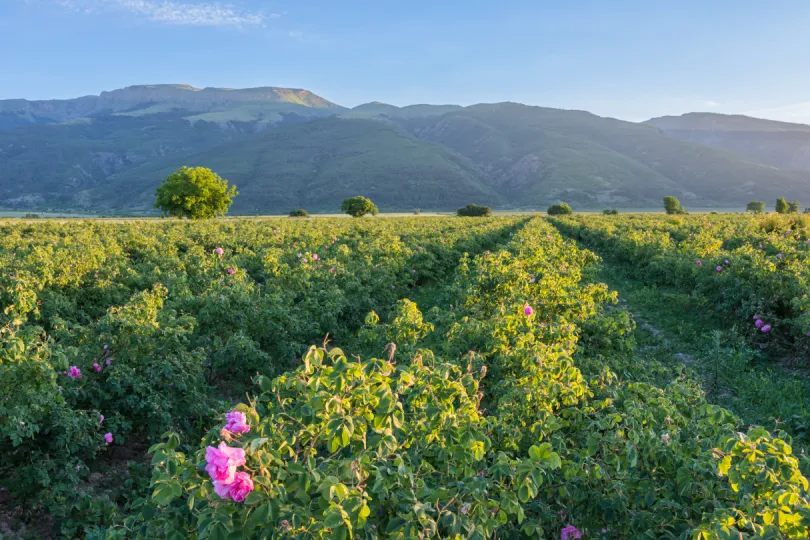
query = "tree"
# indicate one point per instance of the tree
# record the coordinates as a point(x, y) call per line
point(300, 212)
point(613, 212)
point(358, 207)
point(781, 205)
point(673, 206)
point(793, 207)
point(195, 193)
point(757, 207)
point(559, 209)
point(473, 210)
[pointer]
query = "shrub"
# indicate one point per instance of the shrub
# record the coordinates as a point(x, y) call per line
point(194, 193)
point(559, 209)
point(473, 210)
point(781, 206)
point(757, 207)
point(299, 213)
point(673, 206)
point(613, 212)
point(358, 207)
point(793, 207)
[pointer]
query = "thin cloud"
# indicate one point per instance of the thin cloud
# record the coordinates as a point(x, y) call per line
point(171, 12)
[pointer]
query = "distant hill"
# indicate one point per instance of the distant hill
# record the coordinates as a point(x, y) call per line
point(536, 155)
point(150, 99)
point(289, 148)
point(316, 165)
point(780, 144)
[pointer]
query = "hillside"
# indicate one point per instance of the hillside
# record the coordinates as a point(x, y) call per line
point(150, 99)
point(780, 144)
point(290, 148)
point(316, 165)
point(536, 155)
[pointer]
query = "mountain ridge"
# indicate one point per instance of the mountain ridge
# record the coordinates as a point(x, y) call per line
point(288, 147)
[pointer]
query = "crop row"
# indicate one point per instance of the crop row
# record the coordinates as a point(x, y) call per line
point(523, 418)
point(112, 334)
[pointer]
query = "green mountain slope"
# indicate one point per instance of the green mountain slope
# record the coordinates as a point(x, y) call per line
point(780, 144)
point(316, 165)
point(537, 155)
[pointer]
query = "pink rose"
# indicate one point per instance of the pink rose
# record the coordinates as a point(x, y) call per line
point(97, 367)
point(100, 420)
point(570, 532)
point(760, 323)
point(219, 251)
point(528, 310)
point(236, 422)
point(237, 489)
point(108, 437)
point(221, 463)
point(231, 271)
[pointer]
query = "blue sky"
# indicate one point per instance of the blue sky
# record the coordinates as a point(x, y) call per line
point(627, 59)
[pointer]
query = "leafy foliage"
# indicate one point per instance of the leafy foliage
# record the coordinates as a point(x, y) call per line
point(673, 206)
point(358, 207)
point(300, 212)
point(757, 207)
point(782, 206)
point(473, 210)
point(194, 193)
point(559, 209)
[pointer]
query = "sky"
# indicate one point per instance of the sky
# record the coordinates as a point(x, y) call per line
point(626, 59)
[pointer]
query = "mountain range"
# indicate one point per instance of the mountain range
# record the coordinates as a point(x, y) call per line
point(287, 148)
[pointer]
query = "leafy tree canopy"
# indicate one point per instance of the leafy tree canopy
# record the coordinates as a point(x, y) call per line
point(300, 212)
point(358, 207)
point(559, 209)
point(757, 207)
point(473, 210)
point(194, 193)
point(673, 206)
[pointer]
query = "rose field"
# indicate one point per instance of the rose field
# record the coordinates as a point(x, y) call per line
point(584, 376)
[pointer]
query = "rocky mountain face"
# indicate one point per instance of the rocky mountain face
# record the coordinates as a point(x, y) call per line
point(780, 144)
point(161, 97)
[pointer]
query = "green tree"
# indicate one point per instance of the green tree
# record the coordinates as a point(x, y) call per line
point(793, 207)
point(781, 205)
point(473, 210)
point(195, 193)
point(673, 206)
point(757, 207)
point(609, 212)
point(560, 209)
point(358, 207)
point(300, 212)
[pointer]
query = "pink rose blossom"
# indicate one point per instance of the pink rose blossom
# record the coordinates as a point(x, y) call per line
point(97, 368)
point(108, 437)
point(779, 255)
point(570, 532)
point(332, 269)
point(236, 422)
point(219, 251)
point(221, 463)
point(765, 329)
point(756, 317)
point(528, 310)
point(699, 263)
point(315, 257)
point(237, 489)
point(100, 420)
point(231, 271)
point(75, 373)
point(109, 361)
point(760, 323)
point(719, 268)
